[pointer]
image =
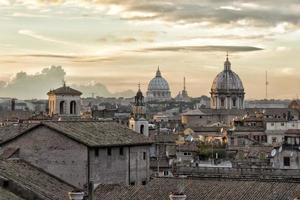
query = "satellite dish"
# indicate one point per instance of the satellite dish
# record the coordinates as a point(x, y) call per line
point(273, 152)
point(280, 149)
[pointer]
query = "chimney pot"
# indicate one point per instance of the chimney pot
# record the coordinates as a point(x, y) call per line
point(177, 196)
point(76, 195)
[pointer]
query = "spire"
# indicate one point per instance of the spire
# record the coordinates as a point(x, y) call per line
point(158, 74)
point(184, 83)
point(139, 86)
point(64, 83)
point(227, 64)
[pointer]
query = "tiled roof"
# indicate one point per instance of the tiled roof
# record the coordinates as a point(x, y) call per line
point(204, 189)
point(90, 133)
point(15, 115)
point(7, 195)
point(34, 180)
point(12, 130)
point(64, 90)
point(293, 131)
point(189, 147)
point(164, 138)
point(206, 129)
point(95, 133)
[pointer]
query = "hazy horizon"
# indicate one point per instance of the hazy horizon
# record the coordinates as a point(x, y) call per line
point(114, 45)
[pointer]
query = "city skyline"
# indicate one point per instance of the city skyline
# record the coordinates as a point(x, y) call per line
point(121, 43)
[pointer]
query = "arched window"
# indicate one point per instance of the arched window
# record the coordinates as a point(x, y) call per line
point(222, 101)
point(234, 102)
point(62, 107)
point(73, 107)
point(142, 129)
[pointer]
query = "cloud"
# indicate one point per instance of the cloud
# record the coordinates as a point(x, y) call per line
point(71, 58)
point(116, 39)
point(40, 37)
point(216, 12)
point(27, 86)
point(203, 48)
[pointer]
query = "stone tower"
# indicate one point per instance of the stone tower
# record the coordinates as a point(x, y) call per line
point(64, 102)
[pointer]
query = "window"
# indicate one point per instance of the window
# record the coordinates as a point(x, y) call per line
point(282, 124)
point(264, 138)
point(121, 151)
point(144, 182)
point(274, 139)
point(272, 124)
point(166, 173)
point(62, 107)
point(256, 138)
point(132, 183)
point(109, 151)
point(234, 102)
point(232, 140)
point(73, 107)
point(5, 184)
point(96, 152)
point(142, 129)
point(286, 161)
point(144, 155)
point(222, 102)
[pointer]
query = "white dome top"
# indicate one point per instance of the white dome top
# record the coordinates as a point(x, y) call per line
point(227, 79)
point(158, 83)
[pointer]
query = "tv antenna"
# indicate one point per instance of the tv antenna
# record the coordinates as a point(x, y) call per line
point(267, 83)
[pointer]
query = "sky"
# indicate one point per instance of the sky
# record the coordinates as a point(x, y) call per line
point(109, 46)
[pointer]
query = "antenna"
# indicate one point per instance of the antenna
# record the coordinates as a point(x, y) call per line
point(184, 83)
point(267, 83)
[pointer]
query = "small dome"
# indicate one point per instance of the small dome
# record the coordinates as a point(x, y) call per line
point(158, 83)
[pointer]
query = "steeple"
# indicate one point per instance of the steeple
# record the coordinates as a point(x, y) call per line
point(158, 74)
point(227, 64)
point(139, 97)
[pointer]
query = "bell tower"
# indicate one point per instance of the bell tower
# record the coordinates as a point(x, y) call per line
point(137, 122)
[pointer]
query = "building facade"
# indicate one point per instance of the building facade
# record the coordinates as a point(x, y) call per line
point(81, 152)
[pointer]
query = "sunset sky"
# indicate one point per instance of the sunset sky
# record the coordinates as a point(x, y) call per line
point(119, 43)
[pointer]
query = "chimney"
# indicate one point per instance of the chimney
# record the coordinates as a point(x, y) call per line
point(176, 196)
point(76, 195)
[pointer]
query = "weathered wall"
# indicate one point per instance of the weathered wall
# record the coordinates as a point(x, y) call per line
point(55, 153)
point(107, 169)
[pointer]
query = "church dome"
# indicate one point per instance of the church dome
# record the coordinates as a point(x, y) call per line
point(158, 83)
point(227, 80)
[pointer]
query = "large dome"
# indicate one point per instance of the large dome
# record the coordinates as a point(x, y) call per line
point(227, 80)
point(227, 91)
point(158, 83)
